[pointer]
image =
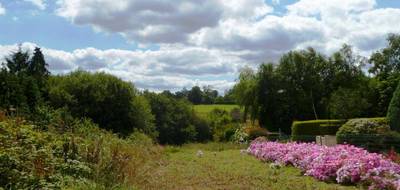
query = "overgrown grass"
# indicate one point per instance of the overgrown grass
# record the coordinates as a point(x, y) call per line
point(83, 158)
point(203, 110)
point(222, 166)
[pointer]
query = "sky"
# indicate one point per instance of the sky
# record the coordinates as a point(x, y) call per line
point(172, 44)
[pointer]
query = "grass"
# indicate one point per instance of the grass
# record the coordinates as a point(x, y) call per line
point(222, 166)
point(203, 110)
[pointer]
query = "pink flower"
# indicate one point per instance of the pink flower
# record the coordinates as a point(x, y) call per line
point(342, 163)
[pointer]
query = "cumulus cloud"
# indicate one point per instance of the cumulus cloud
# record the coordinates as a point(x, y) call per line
point(168, 68)
point(2, 10)
point(144, 20)
point(40, 4)
point(213, 38)
point(324, 25)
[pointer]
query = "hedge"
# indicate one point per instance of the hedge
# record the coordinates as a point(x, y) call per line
point(306, 131)
point(373, 134)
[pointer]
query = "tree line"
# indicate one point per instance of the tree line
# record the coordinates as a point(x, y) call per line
point(306, 85)
point(204, 95)
point(28, 89)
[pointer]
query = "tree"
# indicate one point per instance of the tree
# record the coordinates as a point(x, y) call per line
point(347, 103)
point(209, 95)
point(386, 68)
point(244, 92)
point(195, 95)
point(173, 119)
point(393, 113)
point(110, 102)
point(386, 61)
point(18, 62)
point(38, 66)
point(20, 88)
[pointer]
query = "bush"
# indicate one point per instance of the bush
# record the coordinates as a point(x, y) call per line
point(393, 113)
point(203, 129)
point(173, 119)
point(110, 102)
point(373, 134)
point(306, 131)
point(32, 158)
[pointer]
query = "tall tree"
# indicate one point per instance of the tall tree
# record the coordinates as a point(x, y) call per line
point(386, 68)
point(245, 92)
point(195, 95)
point(18, 62)
point(38, 65)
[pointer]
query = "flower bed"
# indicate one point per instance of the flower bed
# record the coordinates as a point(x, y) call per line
point(344, 164)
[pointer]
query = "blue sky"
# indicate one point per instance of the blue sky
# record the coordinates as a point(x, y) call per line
point(191, 43)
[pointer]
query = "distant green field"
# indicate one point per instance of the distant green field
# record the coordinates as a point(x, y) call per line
point(203, 110)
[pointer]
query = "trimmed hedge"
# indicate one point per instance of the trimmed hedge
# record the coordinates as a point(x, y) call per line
point(306, 131)
point(373, 134)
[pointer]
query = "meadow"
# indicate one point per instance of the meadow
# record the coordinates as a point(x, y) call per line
point(203, 110)
point(225, 166)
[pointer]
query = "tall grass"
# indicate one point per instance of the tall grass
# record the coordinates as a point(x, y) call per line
point(84, 157)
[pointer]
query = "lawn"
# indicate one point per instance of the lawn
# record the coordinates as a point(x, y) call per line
point(203, 110)
point(222, 166)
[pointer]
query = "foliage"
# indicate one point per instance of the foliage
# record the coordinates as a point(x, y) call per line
point(31, 158)
point(307, 130)
point(205, 95)
point(173, 119)
point(195, 95)
point(110, 102)
point(347, 103)
point(244, 93)
point(343, 164)
point(393, 113)
point(386, 68)
point(23, 81)
point(299, 87)
point(371, 133)
point(240, 135)
point(202, 126)
point(221, 124)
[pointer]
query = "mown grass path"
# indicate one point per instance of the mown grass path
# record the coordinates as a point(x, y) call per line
point(226, 168)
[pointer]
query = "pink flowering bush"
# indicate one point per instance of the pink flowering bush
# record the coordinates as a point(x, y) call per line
point(345, 164)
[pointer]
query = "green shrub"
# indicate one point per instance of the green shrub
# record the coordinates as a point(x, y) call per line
point(109, 101)
point(393, 113)
point(33, 158)
point(306, 131)
point(373, 134)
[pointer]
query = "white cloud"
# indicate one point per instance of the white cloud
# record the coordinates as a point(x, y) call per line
point(168, 68)
point(331, 7)
point(245, 28)
point(207, 41)
point(40, 4)
point(143, 20)
point(2, 10)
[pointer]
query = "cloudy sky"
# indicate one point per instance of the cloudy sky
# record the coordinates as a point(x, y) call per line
point(171, 44)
